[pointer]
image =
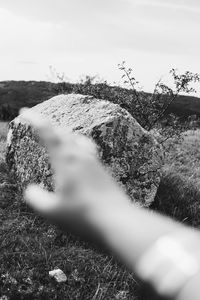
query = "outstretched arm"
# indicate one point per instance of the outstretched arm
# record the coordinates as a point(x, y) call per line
point(87, 201)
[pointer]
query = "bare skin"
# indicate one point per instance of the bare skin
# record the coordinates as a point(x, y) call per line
point(89, 202)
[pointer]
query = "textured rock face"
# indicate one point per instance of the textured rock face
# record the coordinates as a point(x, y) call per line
point(132, 155)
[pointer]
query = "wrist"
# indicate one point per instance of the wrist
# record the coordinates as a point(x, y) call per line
point(171, 265)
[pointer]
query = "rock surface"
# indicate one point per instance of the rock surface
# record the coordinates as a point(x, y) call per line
point(132, 154)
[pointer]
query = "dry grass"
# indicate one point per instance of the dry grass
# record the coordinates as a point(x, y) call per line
point(185, 157)
point(178, 197)
point(179, 192)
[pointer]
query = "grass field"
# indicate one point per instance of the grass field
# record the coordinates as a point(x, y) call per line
point(30, 247)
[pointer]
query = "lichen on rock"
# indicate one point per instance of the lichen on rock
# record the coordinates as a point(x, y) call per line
point(132, 155)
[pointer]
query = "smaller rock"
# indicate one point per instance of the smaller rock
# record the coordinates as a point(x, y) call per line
point(58, 275)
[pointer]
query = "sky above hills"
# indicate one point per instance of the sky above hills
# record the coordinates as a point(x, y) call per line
point(82, 37)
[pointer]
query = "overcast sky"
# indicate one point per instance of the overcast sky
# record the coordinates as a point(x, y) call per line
point(92, 36)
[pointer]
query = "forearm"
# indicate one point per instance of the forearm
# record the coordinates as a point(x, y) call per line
point(87, 200)
point(130, 231)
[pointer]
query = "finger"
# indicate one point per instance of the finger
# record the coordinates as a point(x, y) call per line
point(41, 200)
point(43, 126)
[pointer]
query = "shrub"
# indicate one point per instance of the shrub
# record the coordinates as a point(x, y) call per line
point(152, 108)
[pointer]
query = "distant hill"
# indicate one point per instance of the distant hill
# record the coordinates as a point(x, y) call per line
point(17, 94)
point(186, 106)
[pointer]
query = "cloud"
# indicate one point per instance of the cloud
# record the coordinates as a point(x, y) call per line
point(92, 36)
point(63, 10)
point(27, 62)
point(188, 5)
point(94, 26)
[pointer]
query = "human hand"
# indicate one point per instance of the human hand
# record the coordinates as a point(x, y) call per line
point(84, 189)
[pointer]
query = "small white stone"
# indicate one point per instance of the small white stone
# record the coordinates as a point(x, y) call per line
point(58, 275)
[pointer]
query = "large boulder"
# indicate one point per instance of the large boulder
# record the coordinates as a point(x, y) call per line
point(132, 154)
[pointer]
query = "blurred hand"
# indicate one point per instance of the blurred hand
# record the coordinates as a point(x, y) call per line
point(83, 187)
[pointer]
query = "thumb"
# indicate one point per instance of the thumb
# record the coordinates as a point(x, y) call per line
point(41, 200)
